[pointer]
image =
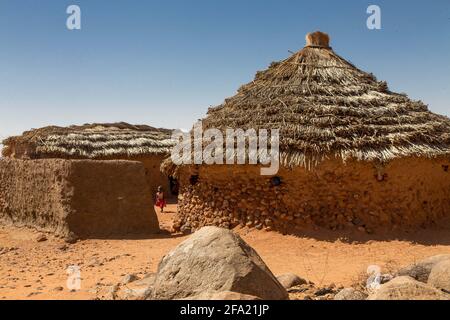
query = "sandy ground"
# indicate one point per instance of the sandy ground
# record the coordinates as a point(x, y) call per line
point(38, 270)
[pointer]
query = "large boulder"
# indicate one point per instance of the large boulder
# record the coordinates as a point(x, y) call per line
point(350, 294)
point(440, 276)
point(214, 259)
point(407, 288)
point(421, 270)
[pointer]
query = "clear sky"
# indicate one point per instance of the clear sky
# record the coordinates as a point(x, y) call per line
point(164, 63)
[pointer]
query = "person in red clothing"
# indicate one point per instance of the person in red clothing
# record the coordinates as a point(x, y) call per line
point(160, 200)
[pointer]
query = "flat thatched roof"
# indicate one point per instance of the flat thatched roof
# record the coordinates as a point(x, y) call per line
point(325, 106)
point(98, 140)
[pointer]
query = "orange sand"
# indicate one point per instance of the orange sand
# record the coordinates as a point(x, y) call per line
point(34, 269)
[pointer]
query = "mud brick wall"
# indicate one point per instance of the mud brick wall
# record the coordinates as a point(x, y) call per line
point(154, 176)
point(88, 198)
point(151, 162)
point(405, 193)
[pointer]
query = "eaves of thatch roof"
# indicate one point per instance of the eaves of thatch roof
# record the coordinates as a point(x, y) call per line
point(91, 141)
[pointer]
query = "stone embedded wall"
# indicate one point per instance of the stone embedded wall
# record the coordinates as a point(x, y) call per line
point(406, 193)
point(88, 198)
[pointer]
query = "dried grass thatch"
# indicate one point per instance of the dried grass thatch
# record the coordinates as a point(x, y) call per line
point(90, 141)
point(326, 107)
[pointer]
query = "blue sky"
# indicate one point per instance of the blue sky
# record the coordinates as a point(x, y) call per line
point(164, 63)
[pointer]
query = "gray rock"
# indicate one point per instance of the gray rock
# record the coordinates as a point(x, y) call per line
point(407, 288)
point(148, 280)
point(350, 294)
point(221, 295)
point(290, 280)
point(128, 278)
point(186, 229)
point(63, 247)
point(71, 238)
point(134, 290)
point(94, 262)
point(421, 270)
point(440, 276)
point(41, 237)
point(384, 278)
point(214, 259)
point(134, 293)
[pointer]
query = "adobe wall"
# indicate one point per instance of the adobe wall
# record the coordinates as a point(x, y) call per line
point(153, 173)
point(31, 194)
point(86, 197)
point(407, 193)
point(152, 164)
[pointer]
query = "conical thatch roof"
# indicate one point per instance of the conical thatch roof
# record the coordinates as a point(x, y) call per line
point(325, 106)
point(90, 141)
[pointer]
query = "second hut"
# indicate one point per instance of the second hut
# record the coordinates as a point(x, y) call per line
point(98, 141)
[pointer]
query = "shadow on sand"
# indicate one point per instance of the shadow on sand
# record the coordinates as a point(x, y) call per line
point(162, 234)
point(437, 234)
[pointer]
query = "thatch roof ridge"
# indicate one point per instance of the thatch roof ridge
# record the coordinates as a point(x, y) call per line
point(96, 140)
point(325, 106)
point(45, 131)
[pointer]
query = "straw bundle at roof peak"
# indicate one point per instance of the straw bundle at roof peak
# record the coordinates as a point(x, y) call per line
point(97, 140)
point(318, 39)
point(325, 106)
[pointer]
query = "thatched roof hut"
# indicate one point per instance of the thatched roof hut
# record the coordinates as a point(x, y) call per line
point(325, 106)
point(90, 141)
point(353, 153)
point(97, 141)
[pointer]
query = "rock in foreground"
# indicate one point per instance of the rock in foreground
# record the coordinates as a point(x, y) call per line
point(215, 260)
point(350, 294)
point(440, 276)
point(289, 280)
point(407, 288)
point(421, 270)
